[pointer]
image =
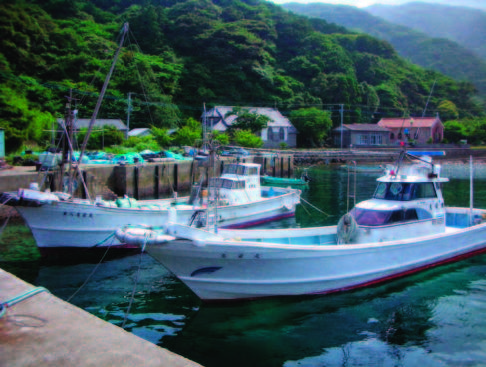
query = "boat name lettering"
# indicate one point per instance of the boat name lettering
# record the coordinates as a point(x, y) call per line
point(79, 215)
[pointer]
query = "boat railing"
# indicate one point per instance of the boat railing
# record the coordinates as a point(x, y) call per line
point(352, 168)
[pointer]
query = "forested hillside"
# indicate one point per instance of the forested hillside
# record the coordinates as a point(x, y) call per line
point(440, 54)
point(183, 53)
point(466, 26)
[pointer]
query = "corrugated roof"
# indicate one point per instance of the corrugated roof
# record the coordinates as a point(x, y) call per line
point(138, 131)
point(408, 122)
point(363, 127)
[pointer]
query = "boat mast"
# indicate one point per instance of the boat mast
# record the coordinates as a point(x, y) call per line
point(102, 93)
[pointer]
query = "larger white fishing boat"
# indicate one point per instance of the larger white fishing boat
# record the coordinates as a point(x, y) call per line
point(403, 228)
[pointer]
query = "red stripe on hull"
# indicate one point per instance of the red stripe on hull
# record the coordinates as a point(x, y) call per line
point(408, 272)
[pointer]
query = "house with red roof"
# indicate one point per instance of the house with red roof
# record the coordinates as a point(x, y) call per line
point(422, 130)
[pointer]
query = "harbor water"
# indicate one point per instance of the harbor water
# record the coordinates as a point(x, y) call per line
point(433, 318)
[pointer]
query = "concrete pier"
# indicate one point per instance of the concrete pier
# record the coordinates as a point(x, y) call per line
point(43, 330)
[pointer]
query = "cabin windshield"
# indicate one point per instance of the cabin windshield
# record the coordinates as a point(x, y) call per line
point(404, 191)
point(370, 217)
point(234, 169)
point(232, 185)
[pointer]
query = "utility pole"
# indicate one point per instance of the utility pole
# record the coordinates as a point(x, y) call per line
point(342, 131)
point(128, 113)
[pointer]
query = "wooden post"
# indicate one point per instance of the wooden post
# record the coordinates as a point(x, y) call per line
point(135, 182)
point(156, 182)
point(288, 167)
point(52, 182)
point(281, 167)
point(176, 177)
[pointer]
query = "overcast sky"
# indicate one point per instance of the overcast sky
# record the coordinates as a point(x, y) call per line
point(480, 4)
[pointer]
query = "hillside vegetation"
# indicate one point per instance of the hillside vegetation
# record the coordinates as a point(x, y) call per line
point(184, 53)
point(454, 58)
point(466, 26)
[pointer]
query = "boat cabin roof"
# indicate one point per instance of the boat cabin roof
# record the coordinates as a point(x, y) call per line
point(413, 172)
point(247, 169)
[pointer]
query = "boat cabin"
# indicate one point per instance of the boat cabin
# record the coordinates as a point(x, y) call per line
point(239, 183)
point(407, 203)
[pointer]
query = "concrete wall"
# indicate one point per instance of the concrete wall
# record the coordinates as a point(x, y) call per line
point(150, 180)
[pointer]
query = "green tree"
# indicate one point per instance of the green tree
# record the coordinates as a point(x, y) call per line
point(189, 134)
point(162, 136)
point(312, 123)
point(247, 139)
point(221, 138)
point(448, 110)
point(454, 131)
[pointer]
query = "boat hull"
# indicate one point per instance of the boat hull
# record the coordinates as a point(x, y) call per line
point(233, 269)
point(82, 224)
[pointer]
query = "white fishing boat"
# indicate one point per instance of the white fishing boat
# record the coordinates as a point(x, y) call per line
point(404, 228)
point(59, 221)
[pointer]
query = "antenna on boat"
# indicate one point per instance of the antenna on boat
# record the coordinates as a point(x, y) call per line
point(471, 190)
point(428, 99)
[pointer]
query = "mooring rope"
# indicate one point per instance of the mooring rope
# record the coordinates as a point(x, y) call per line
point(6, 220)
point(19, 298)
point(91, 274)
point(106, 239)
point(135, 283)
point(315, 207)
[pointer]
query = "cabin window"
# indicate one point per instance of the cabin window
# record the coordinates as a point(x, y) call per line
point(405, 215)
point(226, 184)
point(401, 191)
point(253, 171)
point(232, 185)
point(230, 169)
point(215, 182)
point(424, 190)
point(397, 191)
point(234, 169)
point(368, 217)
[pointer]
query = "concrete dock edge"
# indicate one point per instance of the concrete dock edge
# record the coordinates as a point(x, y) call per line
point(44, 330)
